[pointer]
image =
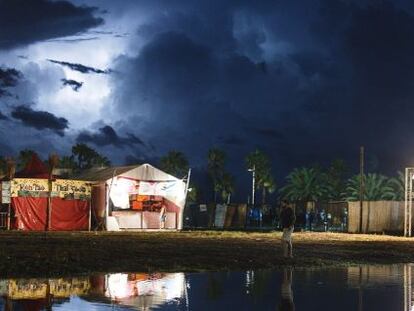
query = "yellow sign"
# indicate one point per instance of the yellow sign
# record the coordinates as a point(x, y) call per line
point(66, 188)
point(38, 288)
point(27, 289)
point(28, 187)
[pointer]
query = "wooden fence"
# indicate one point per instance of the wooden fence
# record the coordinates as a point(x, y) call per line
point(377, 216)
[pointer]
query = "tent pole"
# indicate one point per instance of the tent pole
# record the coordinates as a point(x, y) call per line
point(90, 216)
point(8, 215)
point(49, 206)
point(187, 183)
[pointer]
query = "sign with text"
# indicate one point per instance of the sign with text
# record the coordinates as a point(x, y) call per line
point(28, 187)
point(71, 189)
point(5, 192)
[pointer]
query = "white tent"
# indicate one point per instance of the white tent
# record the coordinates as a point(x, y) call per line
point(145, 179)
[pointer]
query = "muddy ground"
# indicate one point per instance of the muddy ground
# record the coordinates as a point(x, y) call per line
point(69, 253)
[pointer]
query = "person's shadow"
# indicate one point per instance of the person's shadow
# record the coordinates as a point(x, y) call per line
point(286, 294)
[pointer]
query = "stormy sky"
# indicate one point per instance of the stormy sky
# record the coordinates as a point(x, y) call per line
point(305, 81)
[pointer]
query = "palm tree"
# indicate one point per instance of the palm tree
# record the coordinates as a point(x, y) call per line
point(398, 186)
point(215, 166)
point(261, 164)
point(226, 186)
point(3, 167)
point(305, 185)
point(100, 161)
point(376, 188)
point(84, 155)
point(174, 163)
point(88, 157)
point(336, 180)
point(269, 186)
point(67, 162)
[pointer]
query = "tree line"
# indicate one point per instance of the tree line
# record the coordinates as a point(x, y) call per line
point(305, 184)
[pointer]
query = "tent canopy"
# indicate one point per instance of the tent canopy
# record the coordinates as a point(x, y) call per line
point(151, 180)
point(34, 168)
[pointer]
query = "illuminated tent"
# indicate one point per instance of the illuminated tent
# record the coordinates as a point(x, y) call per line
point(129, 197)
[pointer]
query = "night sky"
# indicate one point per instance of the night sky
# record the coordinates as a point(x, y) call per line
point(305, 81)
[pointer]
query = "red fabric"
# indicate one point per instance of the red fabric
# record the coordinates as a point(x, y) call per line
point(66, 215)
point(35, 168)
point(31, 213)
point(69, 215)
point(171, 207)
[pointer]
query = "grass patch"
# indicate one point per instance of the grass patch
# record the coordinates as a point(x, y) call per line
point(68, 253)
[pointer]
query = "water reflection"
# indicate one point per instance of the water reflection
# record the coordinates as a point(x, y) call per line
point(353, 288)
point(286, 300)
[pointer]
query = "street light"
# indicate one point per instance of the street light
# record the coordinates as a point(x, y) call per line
point(253, 170)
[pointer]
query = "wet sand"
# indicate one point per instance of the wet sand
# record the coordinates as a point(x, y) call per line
point(68, 253)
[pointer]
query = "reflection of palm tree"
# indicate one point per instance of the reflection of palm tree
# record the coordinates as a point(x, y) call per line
point(286, 299)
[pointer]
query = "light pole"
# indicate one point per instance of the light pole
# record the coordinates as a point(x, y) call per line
point(253, 170)
point(408, 206)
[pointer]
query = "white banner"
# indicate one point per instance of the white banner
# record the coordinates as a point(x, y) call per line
point(163, 188)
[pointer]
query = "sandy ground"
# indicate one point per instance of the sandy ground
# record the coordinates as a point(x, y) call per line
point(65, 253)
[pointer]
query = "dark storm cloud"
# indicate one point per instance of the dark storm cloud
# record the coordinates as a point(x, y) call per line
point(231, 140)
point(25, 22)
point(106, 135)
point(285, 76)
point(3, 116)
point(79, 67)
point(40, 119)
point(74, 40)
point(75, 85)
point(9, 77)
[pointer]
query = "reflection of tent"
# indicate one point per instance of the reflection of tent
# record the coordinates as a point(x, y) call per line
point(131, 197)
point(31, 206)
point(145, 291)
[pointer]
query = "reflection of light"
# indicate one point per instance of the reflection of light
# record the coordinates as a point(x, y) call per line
point(168, 287)
point(249, 280)
point(118, 286)
point(174, 285)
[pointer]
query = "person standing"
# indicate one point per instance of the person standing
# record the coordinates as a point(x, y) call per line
point(287, 219)
point(163, 216)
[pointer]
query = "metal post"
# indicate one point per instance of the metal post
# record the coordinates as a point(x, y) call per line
point(188, 182)
point(90, 216)
point(49, 206)
point(8, 216)
point(253, 183)
point(361, 186)
point(406, 202)
point(410, 201)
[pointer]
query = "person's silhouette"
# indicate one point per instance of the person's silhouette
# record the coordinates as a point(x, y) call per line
point(286, 299)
